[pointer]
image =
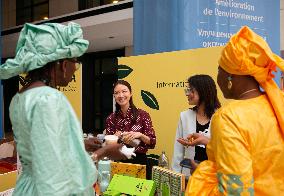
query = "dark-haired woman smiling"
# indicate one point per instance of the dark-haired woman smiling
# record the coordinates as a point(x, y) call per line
point(131, 122)
point(202, 94)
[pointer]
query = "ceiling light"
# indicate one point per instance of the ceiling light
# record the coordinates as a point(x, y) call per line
point(45, 18)
point(115, 1)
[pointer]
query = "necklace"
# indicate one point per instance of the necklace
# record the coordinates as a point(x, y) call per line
point(248, 91)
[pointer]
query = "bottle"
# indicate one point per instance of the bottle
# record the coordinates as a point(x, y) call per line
point(104, 170)
point(163, 160)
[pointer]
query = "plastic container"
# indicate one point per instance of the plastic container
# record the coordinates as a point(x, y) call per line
point(111, 139)
point(104, 169)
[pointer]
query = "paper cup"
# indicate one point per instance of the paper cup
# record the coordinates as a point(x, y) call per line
point(111, 139)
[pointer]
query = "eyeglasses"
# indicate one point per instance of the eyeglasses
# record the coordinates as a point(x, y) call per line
point(78, 64)
point(188, 90)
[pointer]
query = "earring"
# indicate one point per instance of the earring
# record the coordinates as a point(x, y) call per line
point(230, 84)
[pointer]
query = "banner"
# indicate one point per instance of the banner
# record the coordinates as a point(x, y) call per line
point(167, 25)
point(74, 93)
point(158, 82)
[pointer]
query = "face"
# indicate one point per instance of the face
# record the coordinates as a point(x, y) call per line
point(69, 68)
point(192, 95)
point(222, 80)
point(122, 95)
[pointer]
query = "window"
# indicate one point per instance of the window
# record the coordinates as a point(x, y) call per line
point(31, 10)
point(99, 75)
point(86, 4)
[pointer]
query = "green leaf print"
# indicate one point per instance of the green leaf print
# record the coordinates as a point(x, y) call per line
point(150, 100)
point(123, 71)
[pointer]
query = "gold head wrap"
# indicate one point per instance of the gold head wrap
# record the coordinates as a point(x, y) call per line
point(248, 54)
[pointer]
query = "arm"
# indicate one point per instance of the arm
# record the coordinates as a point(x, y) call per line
point(112, 151)
point(146, 135)
point(229, 170)
point(54, 151)
point(194, 139)
point(110, 125)
point(232, 155)
point(178, 149)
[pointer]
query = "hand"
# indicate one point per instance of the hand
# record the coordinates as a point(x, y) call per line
point(197, 139)
point(184, 142)
point(118, 133)
point(194, 139)
point(92, 144)
point(129, 136)
point(112, 151)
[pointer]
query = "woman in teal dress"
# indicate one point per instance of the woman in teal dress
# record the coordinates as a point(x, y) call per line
point(47, 132)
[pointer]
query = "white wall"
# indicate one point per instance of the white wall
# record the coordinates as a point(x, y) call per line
point(8, 13)
point(61, 7)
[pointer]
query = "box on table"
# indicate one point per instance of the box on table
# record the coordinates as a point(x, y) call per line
point(131, 186)
point(128, 169)
point(8, 180)
point(168, 182)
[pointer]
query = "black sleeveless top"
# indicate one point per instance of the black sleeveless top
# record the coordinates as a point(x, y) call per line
point(200, 153)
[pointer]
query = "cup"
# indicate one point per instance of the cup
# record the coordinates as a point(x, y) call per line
point(111, 139)
point(101, 137)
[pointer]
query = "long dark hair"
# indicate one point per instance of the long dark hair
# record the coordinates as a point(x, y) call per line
point(207, 91)
point(134, 110)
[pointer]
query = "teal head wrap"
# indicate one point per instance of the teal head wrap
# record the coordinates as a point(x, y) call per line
point(41, 44)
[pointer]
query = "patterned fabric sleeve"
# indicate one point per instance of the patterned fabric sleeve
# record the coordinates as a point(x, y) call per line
point(232, 148)
point(229, 169)
point(110, 126)
point(149, 130)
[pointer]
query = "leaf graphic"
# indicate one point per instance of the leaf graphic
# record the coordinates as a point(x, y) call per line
point(123, 71)
point(150, 100)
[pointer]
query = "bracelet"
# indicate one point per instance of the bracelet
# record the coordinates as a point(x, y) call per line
point(94, 156)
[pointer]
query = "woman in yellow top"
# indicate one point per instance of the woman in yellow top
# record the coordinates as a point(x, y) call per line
point(246, 150)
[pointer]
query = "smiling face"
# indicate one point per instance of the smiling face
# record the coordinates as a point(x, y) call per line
point(192, 95)
point(122, 95)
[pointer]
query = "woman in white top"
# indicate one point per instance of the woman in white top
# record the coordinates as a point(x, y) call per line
point(202, 94)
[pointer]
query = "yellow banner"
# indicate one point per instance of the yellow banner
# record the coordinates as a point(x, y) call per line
point(74, 92)
point(158, 82)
